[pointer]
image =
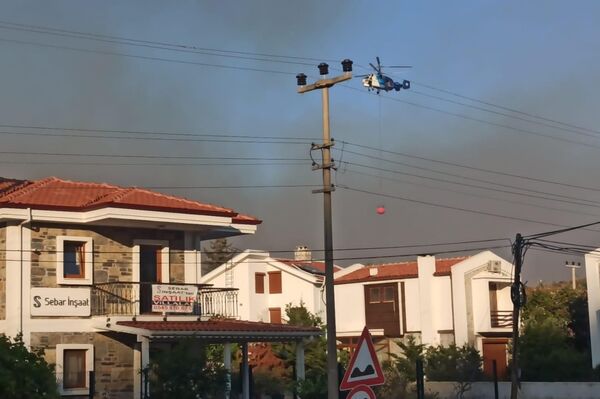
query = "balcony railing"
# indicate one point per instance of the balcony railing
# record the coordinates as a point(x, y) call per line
point(136, 298)
point(501, 318)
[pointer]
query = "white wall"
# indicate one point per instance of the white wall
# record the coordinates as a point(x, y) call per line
point(592, 276)
point(529, 390)
point(442, 303)
point(297, 286)
point(411, 296)
point(429, 333)
point(349, 308)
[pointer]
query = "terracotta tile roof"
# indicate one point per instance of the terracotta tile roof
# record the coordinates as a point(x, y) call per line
point(309, 266)
point(397, 271)
point(217, 325)
point(7, 185)
point(59, 194)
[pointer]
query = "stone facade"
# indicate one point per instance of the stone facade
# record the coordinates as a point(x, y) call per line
point(113, 251)
point(113, 359)
point(2, 272)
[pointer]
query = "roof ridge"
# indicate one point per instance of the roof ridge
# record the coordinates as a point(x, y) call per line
point(17, 185)
point(182, 199)
point(27, 188)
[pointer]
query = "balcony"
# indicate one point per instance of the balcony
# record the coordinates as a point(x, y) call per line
point(137, 298)
point(501, 318)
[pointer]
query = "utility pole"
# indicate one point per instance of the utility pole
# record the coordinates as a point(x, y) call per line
point(517, 296)
point(326, 165)
point(573, 268)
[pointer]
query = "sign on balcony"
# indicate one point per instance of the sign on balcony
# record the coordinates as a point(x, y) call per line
point(174, 298)
point(60, 302)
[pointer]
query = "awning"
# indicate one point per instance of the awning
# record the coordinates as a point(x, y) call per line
point(216, 330)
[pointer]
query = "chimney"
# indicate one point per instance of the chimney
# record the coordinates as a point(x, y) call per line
point(302, 253)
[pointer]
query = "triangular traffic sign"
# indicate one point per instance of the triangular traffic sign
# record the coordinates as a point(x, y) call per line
point(364, 368)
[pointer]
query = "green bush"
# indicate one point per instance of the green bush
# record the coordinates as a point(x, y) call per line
point(25, 374)
point(185, 373)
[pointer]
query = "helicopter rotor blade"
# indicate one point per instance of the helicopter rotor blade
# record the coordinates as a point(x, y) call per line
point(361, 76)
point(398, 66)
point(378, 63)
point(373, 66)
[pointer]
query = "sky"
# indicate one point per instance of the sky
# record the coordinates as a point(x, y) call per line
point(201, 68)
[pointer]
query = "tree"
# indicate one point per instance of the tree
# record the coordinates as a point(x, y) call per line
point(185, 372)
point(555, 331)
point(453, 363)
point(401, 371)
point(219, 252)
point(25, 374)
point(315, 354)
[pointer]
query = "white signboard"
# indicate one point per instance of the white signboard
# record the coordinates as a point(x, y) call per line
point(60, 302)
point(174, 298)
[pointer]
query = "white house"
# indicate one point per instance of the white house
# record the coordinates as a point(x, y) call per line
point(266, 284)
point(438, 301)
point(592, 277)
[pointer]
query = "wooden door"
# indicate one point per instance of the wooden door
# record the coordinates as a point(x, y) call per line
point(150, 272)
point(382, 308)
point(495, 349)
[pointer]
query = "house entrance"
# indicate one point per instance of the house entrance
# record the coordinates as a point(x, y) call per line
point(495, 349)
point(150, 273)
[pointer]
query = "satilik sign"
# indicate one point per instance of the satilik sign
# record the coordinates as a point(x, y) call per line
point(174, 298)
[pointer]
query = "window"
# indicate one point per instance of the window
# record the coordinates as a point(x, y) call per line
point(374, 295)
point(274, 282)
point(388, 294)
point(275, 315)
point(74, 260)
point(74, 371)
point(259, 283)
point(73, 365)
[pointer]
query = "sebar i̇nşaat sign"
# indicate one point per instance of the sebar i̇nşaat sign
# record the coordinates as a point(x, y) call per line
point(60, 302)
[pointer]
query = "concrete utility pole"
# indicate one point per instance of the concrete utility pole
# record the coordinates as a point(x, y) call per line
point(326, 165)
point(573, 268)
point(517, 296)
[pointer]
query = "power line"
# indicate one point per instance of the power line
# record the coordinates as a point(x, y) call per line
point(154, 132)
point(445, 173)
point(506, 108)
point(560, 231)
point(342, 249)
point(483, 121)
point(456, 208)
point(470, 167)
point(166, 45)
point(66, 154)
point(568, 200)
point(249, 186)
point(412, 255)
point(473, 194)
point(503, 114)
point(275, 58)
point(143, 57)
point(202, 140)
point(162, 164)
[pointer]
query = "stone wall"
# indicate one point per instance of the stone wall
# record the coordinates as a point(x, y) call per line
point(113, 359)
point(2, 272)
point(112, 251)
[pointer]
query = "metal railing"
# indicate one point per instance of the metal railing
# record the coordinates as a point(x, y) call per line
point(501, 318)
point(135, 298)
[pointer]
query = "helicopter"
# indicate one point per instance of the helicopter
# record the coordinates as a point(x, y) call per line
point(378, 81)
